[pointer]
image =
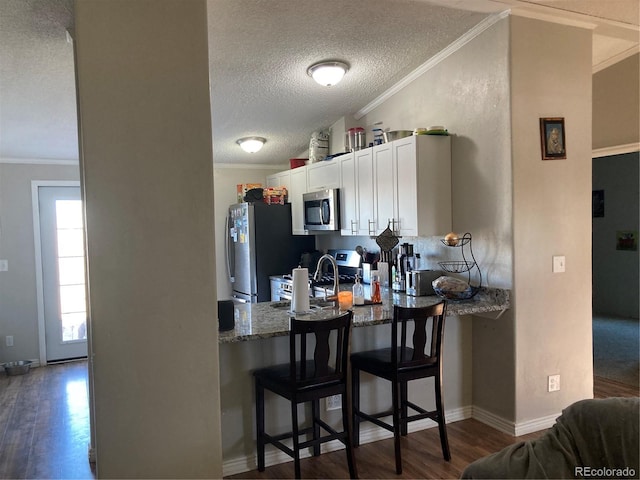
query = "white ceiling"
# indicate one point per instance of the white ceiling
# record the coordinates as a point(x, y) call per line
point(259, 53)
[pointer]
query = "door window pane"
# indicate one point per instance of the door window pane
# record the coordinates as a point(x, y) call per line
point(71, 270)
point(71, 273)
point(70, 243)
point(74, 326)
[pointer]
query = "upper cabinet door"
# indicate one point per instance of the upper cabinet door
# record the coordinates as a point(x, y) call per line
point(406, 199)
point(348, 195)
point(280, 179)
point(298, 188)
point(385, 180)
point(423, 202)
point(364, 172)
point(323, 175)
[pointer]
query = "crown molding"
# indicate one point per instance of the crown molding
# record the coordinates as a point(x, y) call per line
point(616, 58)
point(433, 61)
point(616, 150)
point(248, 166)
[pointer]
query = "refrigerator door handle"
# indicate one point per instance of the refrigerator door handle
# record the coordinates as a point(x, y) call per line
point(237, 299)
point(227, 245)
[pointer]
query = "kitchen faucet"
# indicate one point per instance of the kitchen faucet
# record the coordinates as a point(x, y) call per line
point(318, 274)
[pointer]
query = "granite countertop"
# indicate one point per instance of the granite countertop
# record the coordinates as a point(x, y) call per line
point(271, 319)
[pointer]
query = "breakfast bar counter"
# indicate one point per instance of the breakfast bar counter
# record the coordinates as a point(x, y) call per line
point(271, 319)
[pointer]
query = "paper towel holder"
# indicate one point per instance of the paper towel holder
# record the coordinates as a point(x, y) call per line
point(300, 305)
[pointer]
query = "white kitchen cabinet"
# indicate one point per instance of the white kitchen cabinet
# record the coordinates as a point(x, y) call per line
point(357, 199)
point(348, 195)
point(298, 187)
point(323, 175)
point(404, 184)
point(422, 194)
point(364, 192)
point(280, 179)
point(385, 182)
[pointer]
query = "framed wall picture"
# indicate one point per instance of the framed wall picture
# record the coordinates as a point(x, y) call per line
point(552, 139)
point(627, 240)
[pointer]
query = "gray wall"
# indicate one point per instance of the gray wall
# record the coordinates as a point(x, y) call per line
point(147, 171)
point(615, 272)
point(551, 216)
point(616, 97)
point(18, 305)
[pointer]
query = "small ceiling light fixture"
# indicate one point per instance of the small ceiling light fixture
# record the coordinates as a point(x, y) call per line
point(328, 73)
point(251, 144)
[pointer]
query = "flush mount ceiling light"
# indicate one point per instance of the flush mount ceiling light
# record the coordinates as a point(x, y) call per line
point(328, 73)
point(251, 144)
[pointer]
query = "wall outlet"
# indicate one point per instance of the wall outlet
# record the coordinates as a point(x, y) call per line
point(334, 402)
point(9, 340)
point(553, 383)
point(4, 265)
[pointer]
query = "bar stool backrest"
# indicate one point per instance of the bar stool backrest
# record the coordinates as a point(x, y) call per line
point(330, 351)
point(425, 347)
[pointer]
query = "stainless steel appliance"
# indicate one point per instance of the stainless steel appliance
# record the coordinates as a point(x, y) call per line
point(322, 210)
point(348, 262)
point(259, 243)
point(404, 265)
point(419, 282)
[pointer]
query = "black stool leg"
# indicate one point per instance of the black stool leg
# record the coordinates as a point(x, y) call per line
point(296, 437)
point(260, 424)
point(441, 420)
point(346, 425)
point(315, 415)
point(395, 388)
point(404, 396)
point(355, 405)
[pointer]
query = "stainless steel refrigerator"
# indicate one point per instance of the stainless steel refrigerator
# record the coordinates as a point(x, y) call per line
point(259, 244)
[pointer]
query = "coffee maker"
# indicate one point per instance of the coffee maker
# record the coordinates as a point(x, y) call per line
point(405, 263)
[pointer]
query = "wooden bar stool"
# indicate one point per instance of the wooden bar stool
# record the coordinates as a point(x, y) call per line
point(303, 380)
point(401, 363)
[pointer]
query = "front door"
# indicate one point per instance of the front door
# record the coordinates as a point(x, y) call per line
point(63, 272)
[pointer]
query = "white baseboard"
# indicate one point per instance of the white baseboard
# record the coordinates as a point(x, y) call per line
point(536, 424)
point(512, 428)
point(372, 433)
point(493, 420)
point(368, 433)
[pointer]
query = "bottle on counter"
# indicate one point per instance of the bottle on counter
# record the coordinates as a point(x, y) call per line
point(358, 292)
point(375, 288)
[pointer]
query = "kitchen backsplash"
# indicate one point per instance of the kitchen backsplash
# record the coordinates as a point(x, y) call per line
point(431, 249)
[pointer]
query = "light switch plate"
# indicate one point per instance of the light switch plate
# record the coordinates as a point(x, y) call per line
point(4, 265)
point(558, 263)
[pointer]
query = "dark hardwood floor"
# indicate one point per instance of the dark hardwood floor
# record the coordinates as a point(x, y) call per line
point(469, 440)
point(44, 423)
point(44, 433)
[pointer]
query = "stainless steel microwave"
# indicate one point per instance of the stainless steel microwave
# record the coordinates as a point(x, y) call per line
point(322, 210)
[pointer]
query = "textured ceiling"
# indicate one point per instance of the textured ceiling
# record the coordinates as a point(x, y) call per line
point(259, 53)
point(37, 88)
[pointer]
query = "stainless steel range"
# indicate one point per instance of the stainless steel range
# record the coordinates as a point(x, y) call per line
point(348, 262)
